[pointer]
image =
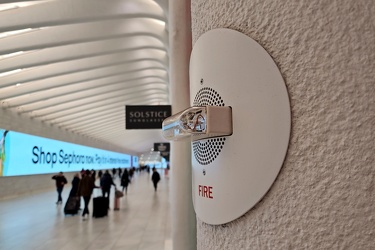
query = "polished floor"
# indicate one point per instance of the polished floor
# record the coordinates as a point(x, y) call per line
point(142, 223)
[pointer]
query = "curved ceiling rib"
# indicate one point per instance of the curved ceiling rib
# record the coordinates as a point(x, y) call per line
point(92, 100)
point(102, 107)
point(62, 112)
point(83, 32)
point(45, 111)
point(92, 118)
point(37, 94)
point(95, 98)
point(64, 95)
point(76, 64)
point(82, 77)
point(73, 11)
point(79, 51)
point(143, 58)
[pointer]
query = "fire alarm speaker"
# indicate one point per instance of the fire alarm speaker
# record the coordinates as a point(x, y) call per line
point(239, 124)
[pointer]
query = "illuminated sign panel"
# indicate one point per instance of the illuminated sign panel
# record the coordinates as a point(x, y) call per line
point(135, 162)
point(146, 116)
point(163, 148)
point(22, 154)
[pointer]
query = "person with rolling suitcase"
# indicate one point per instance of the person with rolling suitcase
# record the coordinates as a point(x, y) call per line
point(101, 204)
point(85, 188)
point(73, 203)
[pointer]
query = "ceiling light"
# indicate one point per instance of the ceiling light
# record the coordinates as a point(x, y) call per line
point(10, 72)
point(4, 7)
point(8, 7)
point(11, 54)
point(14, 32)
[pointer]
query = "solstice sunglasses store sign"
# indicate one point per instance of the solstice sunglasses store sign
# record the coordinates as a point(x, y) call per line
point(22, 154)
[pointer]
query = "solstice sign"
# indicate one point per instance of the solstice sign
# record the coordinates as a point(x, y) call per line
point(23, 154)
point(146, 117)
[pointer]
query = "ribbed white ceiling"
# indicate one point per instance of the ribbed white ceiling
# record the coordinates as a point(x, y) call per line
point(77, 63)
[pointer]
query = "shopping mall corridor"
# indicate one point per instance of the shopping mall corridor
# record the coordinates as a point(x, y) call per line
point(143, 221)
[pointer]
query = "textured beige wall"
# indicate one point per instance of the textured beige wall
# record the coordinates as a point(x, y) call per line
point(324, 197)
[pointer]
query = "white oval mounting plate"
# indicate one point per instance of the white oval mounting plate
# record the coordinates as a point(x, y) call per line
point(246, 78)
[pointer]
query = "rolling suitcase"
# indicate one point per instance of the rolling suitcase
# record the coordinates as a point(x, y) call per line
point(118, 195)
point(116, 204)
point(100, 207)
point(72, 205)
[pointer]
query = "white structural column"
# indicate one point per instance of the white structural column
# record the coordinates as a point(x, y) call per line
point(183, 216)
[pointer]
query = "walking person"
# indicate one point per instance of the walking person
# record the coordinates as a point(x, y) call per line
point(85, 188)
point(131, 173)
point(105, 183)
point(60, 183)
point(119, 172)
point(125, 181)
point(100, 174)
point(114, 173)
point(83, 172)
point(93, 174)
point(155, 178)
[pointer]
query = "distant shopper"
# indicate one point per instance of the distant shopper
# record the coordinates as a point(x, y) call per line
point(60, 183)
point(83, 172)
point(125, 181)
point(93, 174)
point(131, 173)
point(85, 188)
point(100, 174)
point(105, 183)
point(155, 178)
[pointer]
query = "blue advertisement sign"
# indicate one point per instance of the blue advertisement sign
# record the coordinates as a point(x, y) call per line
point(135, 161)
point(22, 154)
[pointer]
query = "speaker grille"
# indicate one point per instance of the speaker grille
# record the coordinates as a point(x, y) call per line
point(206, 151)
point(208, 97)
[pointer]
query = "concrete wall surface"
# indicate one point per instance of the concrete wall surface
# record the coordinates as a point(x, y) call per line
point(324, 196)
